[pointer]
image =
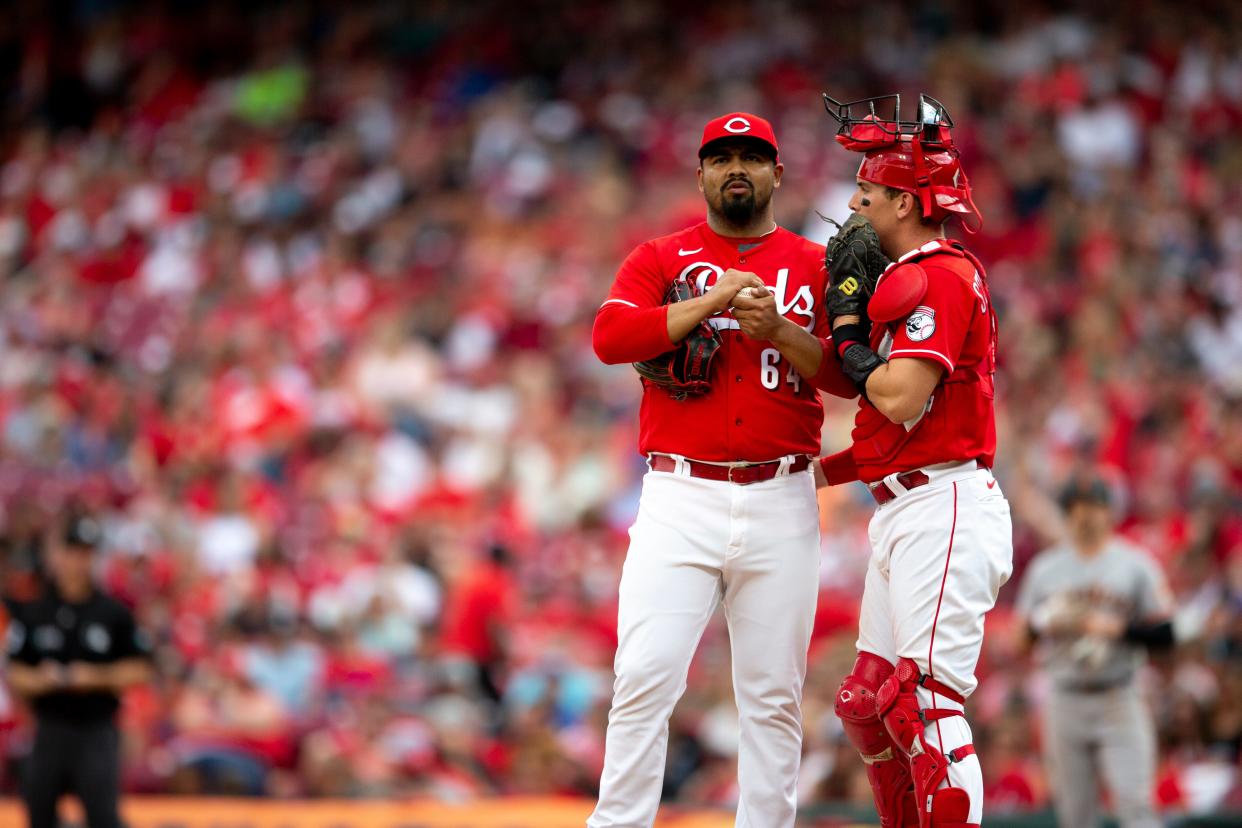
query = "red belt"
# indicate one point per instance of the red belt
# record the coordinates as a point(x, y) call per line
point(741, 475)
point(911, 480)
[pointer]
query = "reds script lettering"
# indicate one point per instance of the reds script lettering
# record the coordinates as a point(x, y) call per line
point(747, 414)
point(705, 275)
point(802, 304)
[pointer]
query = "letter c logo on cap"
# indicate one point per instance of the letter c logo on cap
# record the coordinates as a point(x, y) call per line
point(738, 124)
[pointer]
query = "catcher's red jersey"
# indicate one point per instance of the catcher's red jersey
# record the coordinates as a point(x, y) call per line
point(954, 325)
point(759, 408)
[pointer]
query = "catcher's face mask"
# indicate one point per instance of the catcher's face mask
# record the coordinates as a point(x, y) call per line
point(915, 156)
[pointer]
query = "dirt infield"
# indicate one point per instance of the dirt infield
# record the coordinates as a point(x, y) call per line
point(172, 812)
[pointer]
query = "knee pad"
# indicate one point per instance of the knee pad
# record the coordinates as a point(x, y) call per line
point(887, 767)
point(905, 721)
point(856, 705)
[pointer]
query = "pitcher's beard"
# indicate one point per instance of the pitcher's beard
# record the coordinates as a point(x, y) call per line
point(738, 211)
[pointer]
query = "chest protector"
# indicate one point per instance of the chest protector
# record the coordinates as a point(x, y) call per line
point(953, 424)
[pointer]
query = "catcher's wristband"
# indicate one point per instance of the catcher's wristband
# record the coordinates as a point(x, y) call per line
point(843, 335)
point(858, 361)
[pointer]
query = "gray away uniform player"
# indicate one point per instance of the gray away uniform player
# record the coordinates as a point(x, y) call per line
point(1094, 605)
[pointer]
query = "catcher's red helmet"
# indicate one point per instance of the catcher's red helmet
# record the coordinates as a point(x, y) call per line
point(915, 156)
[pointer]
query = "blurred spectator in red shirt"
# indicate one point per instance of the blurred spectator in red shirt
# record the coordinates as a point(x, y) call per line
point(478, 613)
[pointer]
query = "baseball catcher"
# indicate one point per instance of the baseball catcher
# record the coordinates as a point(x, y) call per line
point(917, 337)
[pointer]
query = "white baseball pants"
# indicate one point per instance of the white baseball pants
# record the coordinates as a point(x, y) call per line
point(698, 543)
point(1109, 734)
point(939, 555)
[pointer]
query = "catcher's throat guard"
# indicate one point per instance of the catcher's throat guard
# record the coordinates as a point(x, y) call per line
point(916, 156)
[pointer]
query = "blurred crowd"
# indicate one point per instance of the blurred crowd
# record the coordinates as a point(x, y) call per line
point(298, 299)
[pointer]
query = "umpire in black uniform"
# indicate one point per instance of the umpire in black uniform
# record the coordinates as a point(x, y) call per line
point(72, 652)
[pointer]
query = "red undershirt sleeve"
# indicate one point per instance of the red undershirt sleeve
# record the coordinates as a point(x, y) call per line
point(829, 377)
point(840, 467)
point(632, 323)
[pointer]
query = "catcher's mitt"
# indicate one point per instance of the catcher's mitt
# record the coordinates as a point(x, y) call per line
point(854, 261)
point(686, 370)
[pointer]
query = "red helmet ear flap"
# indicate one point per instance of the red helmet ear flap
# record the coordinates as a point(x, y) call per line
point(972, 219)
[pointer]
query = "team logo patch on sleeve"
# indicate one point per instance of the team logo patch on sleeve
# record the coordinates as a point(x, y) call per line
point(920, 324)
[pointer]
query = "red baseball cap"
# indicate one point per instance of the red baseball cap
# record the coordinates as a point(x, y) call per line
point(739, 125)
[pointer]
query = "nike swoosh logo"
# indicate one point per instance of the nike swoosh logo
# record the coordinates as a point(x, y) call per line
point(681, 252)
point(991, 484)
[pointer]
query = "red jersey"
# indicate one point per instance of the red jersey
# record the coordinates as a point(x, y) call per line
point(954, 324)
point(759, 408)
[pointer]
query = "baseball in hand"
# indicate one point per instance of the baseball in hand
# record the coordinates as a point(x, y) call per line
point(753, 292)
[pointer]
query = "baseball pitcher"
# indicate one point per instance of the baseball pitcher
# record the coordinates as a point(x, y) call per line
point(918, 339)
point(1094, 606)
point(725, 322)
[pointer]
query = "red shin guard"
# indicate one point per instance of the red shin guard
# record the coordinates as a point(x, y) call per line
point(887, 768)
point(905, 720)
